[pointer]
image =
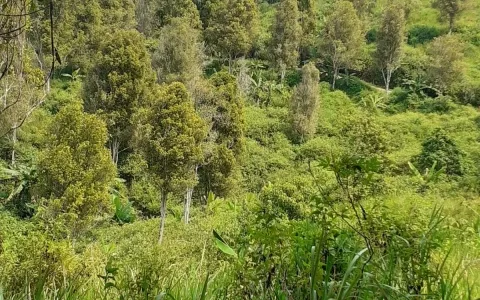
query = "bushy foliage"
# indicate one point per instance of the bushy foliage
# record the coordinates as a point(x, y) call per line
point(352, 86)
point(284, 201)
point(441, 149)
point(231, 26)
point(468, 93)
point(74, 169)
point(441, 104)
point(166, 10)
point(365, 138)
point(30, 256)
point(225, 141)
point(304, 104)
point(342, 38)
point(179, 55)
point(286, 37)
point(121, 80)
point(421, 34)
point(444, 68)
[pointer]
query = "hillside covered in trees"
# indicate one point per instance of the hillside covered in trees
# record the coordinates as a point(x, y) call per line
point(240, 149)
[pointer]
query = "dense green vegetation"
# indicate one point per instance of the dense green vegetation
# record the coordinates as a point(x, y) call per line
point(239, 149)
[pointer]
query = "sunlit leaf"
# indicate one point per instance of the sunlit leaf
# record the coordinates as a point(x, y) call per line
point(222, 245)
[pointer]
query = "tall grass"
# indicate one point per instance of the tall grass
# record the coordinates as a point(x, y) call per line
point(407, 266)
point(324, 283)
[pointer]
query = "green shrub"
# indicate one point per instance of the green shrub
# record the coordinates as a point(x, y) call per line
point(441, 104)
point(411, 73)
point(142, 192)
point(470, 34)
point(64, 92)
point(421, 34)
point(124, 212)
point(468, 93)
point(366, 138)
point(261, 164)
point(284, 201)
point(293, 77)
point(441, 149)
point(145, 197)
point(330, 121)
point(397, 100)
point(28, 254)
point(352, 86)
point(401, 100)
point(371, 36)
point(262, 124)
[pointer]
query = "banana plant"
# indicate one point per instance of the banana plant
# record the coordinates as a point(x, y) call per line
point(374, 102)
point(74, 76)
point(418, 86)
point(124, 212)
point(429, 175)
point(264, 90)
point(23, 178)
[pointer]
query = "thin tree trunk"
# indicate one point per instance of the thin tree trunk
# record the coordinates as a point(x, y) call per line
point(114, 150)
point(29, 293)
point(188, 199)
point(386, 74)
point(387, 82)
point(14, 142)
point(163, 214)
point(335, 74)
point(188, 202)
point(19, 71)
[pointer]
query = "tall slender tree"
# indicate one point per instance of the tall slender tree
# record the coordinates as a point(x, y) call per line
point(21, 81)
point(363, 7)
point(225, 141)
point(342, 38)
point(449, 9)
point(304, 104)
point(168, 136)
point(308, 22)
point(390, 40)
point(179, 55)
point(166, 10)
point(74, 169)
point(445, 68)
point(286, 36)
point(120, 82)
point(79, 28)
point(144, 16)
point(231, 27)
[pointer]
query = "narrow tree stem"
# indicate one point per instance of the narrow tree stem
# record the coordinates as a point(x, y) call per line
point(163, 214)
